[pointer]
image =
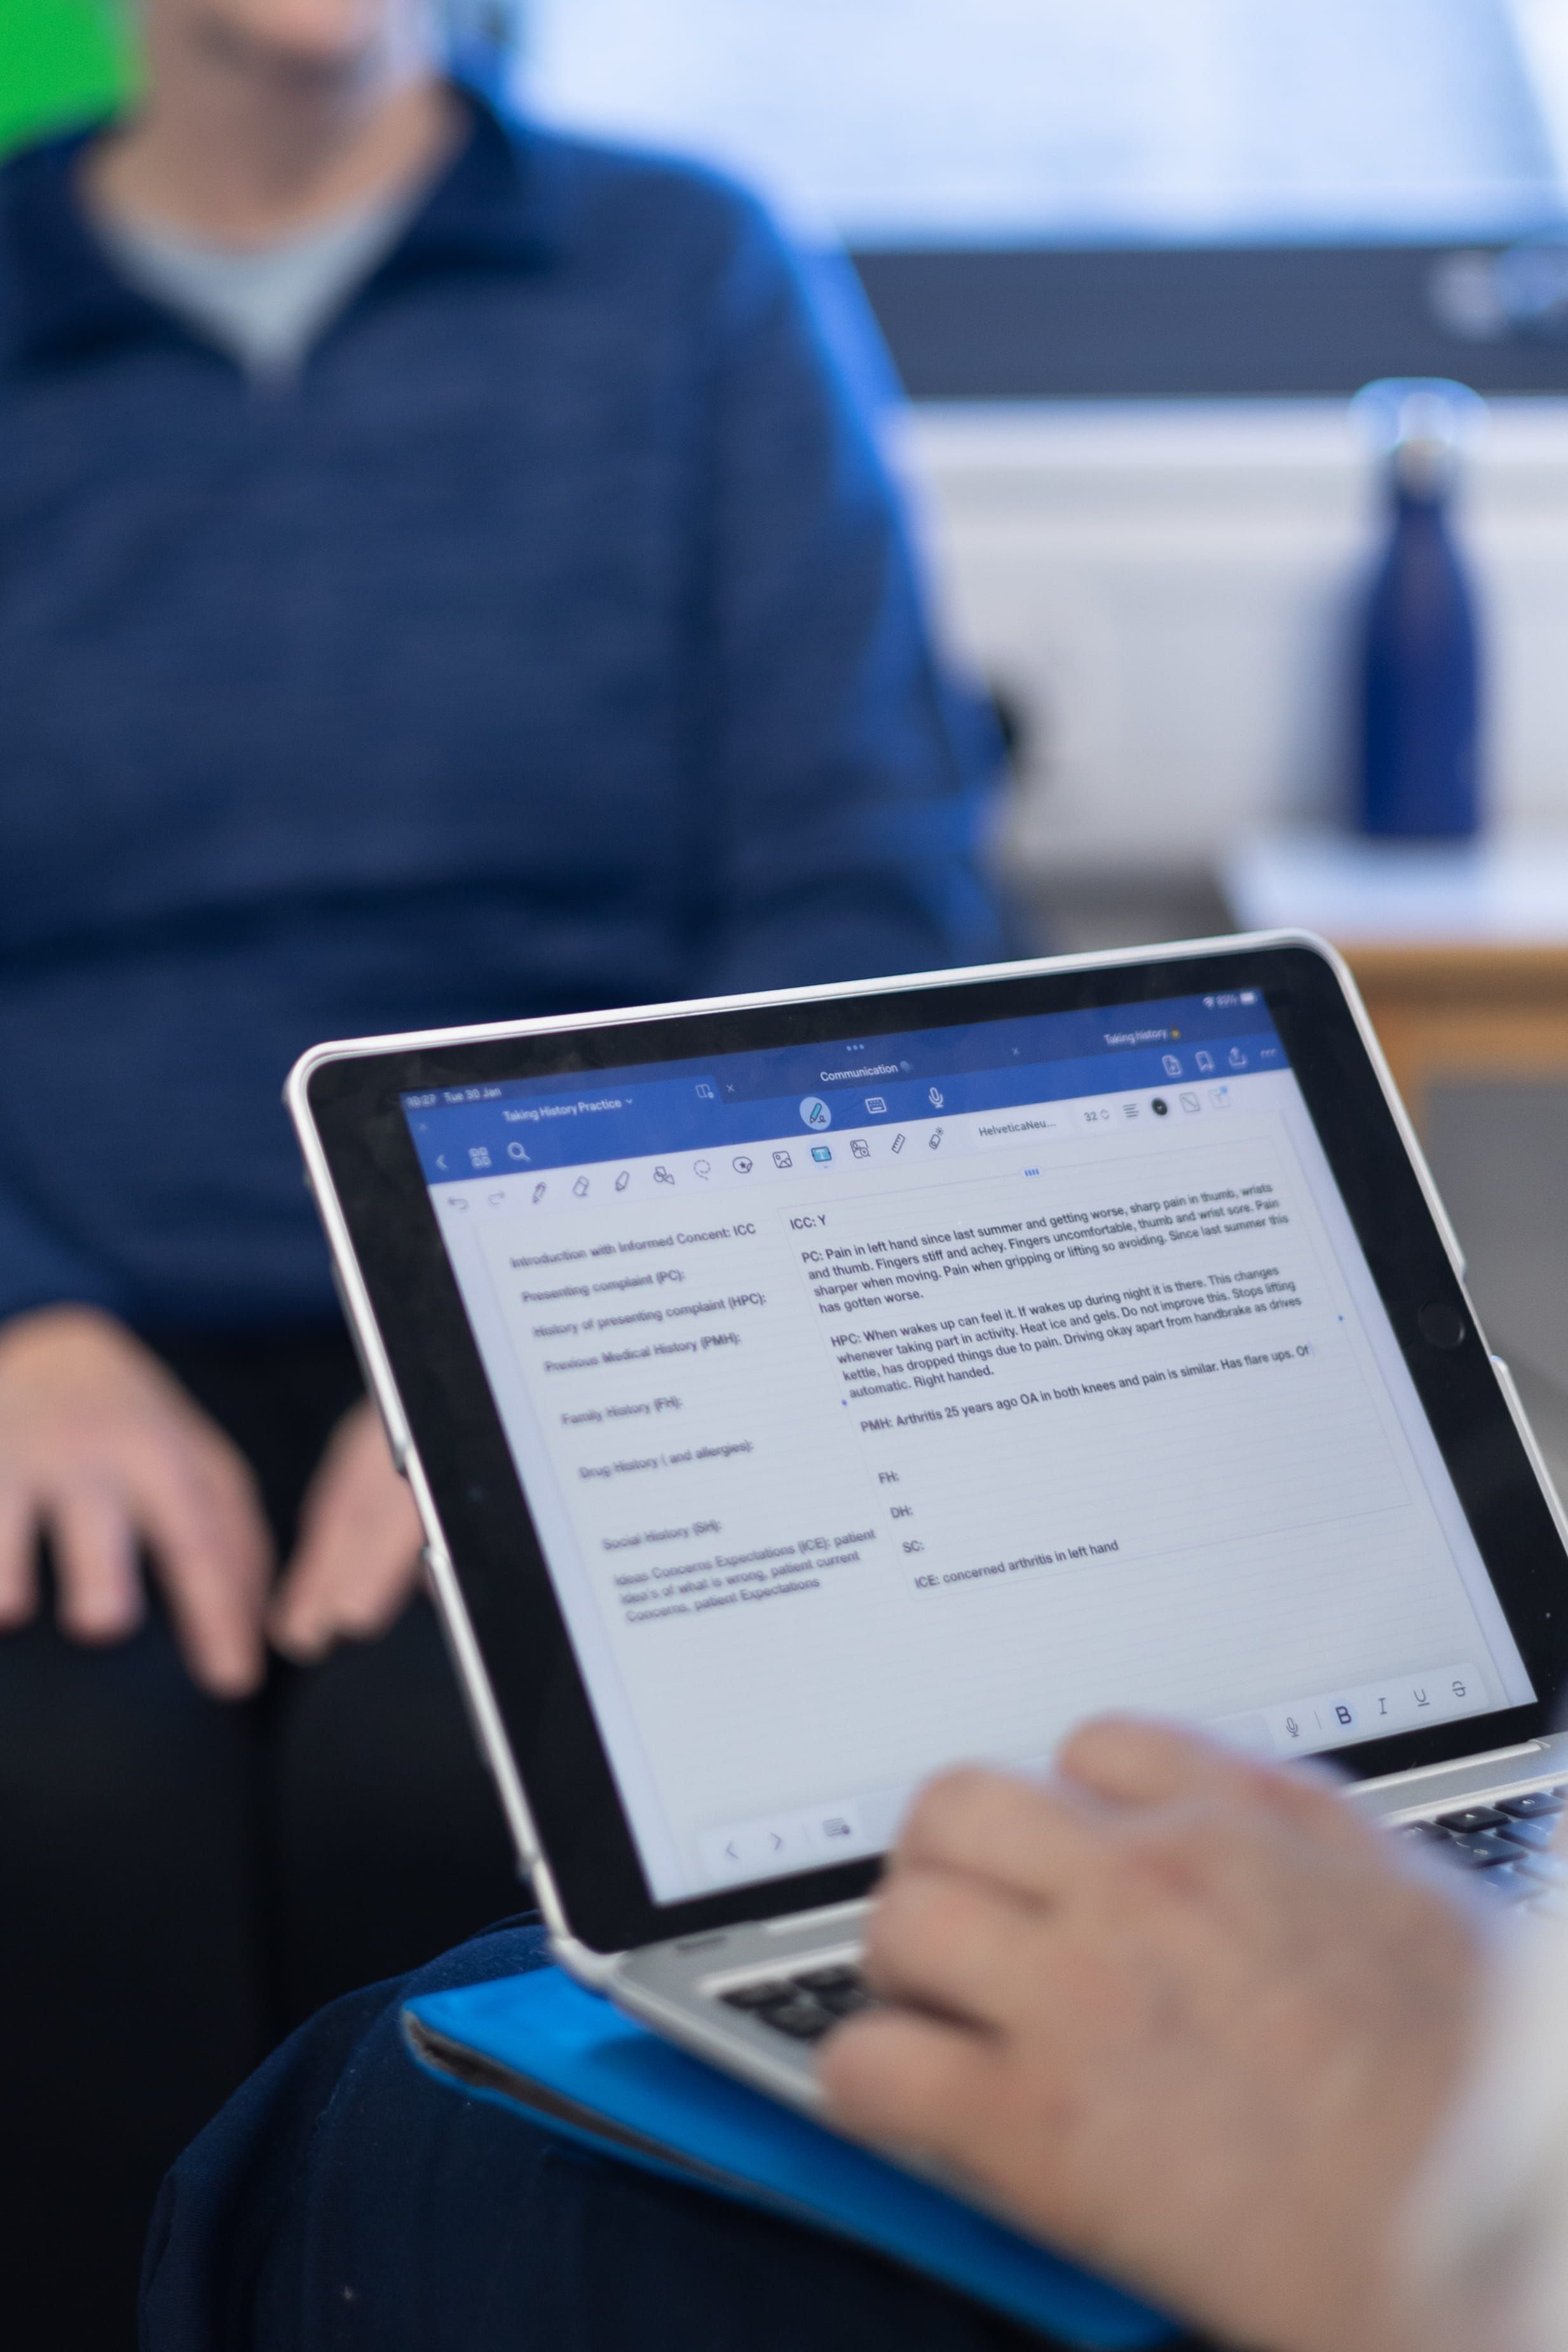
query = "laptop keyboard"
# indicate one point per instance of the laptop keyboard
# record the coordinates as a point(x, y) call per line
point(1505, 1846)
point(804, 2006)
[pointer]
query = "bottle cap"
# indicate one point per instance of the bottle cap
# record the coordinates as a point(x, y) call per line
point(1422, 425)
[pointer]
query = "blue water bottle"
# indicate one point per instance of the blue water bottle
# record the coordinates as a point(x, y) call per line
point(1421, 676)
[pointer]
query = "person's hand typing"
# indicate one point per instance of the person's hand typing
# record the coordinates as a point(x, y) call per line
point(357, 1560)
point(103, 1454)
point(1186, 2017)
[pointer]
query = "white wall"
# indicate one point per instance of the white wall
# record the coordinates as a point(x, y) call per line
point(1168, 591)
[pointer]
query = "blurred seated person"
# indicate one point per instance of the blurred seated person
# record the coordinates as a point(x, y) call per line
point(1181, 2015)
point(446, 574)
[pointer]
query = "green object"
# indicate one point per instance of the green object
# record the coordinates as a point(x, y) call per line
point(61, 60)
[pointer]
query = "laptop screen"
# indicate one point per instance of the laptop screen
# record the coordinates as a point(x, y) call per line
point(895, 1402)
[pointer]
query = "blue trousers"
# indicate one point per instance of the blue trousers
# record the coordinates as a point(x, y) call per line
point(341, 2201)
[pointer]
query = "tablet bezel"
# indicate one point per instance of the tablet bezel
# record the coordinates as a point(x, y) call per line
point(348, 1097)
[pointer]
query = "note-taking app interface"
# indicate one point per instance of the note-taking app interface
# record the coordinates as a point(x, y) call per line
point(894, 1402)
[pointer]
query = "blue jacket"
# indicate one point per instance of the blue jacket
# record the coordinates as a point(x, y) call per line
point(551, 642)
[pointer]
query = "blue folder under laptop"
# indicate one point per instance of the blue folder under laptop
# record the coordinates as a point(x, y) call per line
point(540, 2043)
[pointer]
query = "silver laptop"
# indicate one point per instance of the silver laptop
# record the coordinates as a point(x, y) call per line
point(802, 1393)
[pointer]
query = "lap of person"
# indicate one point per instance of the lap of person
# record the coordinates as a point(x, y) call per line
point(343, 2197)
point(185, 1878)
point(343, 1818)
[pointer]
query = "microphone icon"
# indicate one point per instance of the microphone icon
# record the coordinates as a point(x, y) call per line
point(935, 1096)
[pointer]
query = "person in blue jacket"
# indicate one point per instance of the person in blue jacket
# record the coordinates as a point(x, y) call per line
point(446, 573)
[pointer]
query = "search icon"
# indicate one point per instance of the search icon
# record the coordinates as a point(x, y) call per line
point(702, 1168)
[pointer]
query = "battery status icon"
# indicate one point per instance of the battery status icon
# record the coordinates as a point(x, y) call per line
point(1248, 996)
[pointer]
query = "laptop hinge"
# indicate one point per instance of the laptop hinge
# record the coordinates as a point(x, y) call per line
point(1455, 1764)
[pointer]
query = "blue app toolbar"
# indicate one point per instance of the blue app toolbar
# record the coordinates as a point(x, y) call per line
point(722, 1104)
